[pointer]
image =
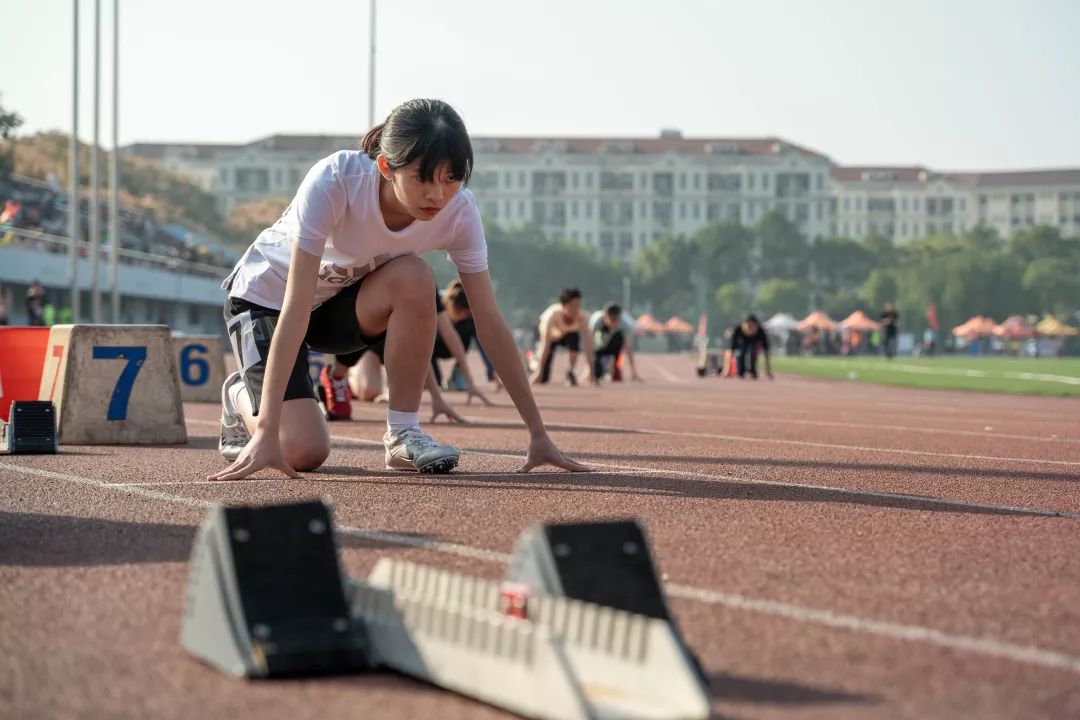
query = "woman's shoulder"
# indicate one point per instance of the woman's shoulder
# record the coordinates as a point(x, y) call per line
point(349, 162)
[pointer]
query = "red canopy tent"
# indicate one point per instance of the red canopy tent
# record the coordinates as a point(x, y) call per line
point(859, 320)
point(976, 326)
point(679, 326)
point(817, 320)
point(1014, 328)
point(648, 324)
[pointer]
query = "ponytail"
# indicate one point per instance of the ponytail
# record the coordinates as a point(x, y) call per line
point(372, 142)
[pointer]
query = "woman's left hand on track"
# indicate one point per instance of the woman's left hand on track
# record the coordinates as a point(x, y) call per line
point(441, 407)
point(542, 451)
point(474, 393)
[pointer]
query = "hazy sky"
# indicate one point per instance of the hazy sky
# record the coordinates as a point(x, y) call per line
point(953, 84)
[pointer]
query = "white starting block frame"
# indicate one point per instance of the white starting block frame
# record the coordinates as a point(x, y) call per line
point(113, 385)
point(200, 361)
point(568, 660)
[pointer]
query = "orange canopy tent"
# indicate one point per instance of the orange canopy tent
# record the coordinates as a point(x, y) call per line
point(677, 325)
point(859, 320)
point(648, 324)
point(1014, 328)
point(975, 327)
point(817, 320)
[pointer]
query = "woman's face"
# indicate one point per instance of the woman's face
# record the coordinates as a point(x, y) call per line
point(421, 200)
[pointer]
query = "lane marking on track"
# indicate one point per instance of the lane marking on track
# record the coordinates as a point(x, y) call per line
point(667, 374)
point(836, 423)
point(479, 423)
point(612, 468)
point(895, 631)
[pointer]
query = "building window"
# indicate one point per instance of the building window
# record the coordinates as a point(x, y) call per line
point(506, 209)
point(573, 180)
point(588, 237)
point(903, 204)
point(682, 181)
point(277, 177)
point(858, 204)
point(821, 181)
point(697, 210)
point(616, 181)
point(682, 210)
point(508, 179)
point(521, 179)
point(193, 314)
point(573, 208)
point(588, 179)
point(819, 209)
point(521, 209)
point(223, 177)
point(915, 204)
point(588, 208)
point(903, 228)
point(765, 181)
point(724, 182)
point(847, 203)
point(962, 203)
point(642, 210)
point(750, 181)
point(847, 230)
point(644, 182)
point(697, 181)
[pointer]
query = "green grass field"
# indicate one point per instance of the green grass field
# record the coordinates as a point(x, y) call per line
point(1020, 376)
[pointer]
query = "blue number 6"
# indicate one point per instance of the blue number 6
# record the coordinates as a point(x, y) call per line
point(135, 356)
point(187, 362)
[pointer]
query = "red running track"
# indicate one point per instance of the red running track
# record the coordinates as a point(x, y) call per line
point(831, 549)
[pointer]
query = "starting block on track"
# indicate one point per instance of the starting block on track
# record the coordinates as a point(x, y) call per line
point(30, 429)
point(200, 361)
point(113, 385)
point(22, 352)
point(266, 598)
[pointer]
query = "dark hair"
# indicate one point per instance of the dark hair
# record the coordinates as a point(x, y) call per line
point(455, 295)
point(427, 129)
point(569, 294)
point(613, 309)
point(752, 318)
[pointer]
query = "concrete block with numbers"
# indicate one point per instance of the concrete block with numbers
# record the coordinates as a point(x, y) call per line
point(200, 362)
point(113, 385)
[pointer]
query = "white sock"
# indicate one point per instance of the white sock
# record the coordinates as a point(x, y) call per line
point(397, 421)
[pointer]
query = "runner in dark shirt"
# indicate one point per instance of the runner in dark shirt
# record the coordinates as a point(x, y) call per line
point(748, 338)
point(890, 320)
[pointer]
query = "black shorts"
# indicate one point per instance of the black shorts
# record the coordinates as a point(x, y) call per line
point(332, 329)
point(570, 341)
point(350, 359)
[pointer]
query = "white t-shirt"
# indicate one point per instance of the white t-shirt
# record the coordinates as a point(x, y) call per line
point(335, 215)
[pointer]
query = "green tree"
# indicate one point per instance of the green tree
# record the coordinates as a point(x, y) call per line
point(1055, 285)
point(782, 251)
point(723, 252)
point(879, 288)
point(779, 295)
point(663, 271)
point(840, 263)
point(9, 123)
point(731, 302)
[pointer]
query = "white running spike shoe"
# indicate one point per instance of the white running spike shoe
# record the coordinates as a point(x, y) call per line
point(234, 433)
point(414, 449)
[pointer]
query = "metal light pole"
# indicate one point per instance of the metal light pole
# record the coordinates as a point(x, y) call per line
point(114, 171)
point(95, 181)
point(371, 71)
point(73, 170)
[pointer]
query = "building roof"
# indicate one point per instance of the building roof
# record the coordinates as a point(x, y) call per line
point(1013, 178)
point(881, 173)
point(156, 151)
point(669, 142)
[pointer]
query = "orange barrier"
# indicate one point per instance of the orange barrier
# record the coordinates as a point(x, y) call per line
point(22, 356)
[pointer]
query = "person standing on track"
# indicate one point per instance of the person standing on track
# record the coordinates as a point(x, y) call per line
point(748, 339)
point(564, 324)
point(610, 340)
point(890, 320)
point(340, 271)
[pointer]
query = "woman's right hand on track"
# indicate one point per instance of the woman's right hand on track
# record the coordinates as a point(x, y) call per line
point(260, 453)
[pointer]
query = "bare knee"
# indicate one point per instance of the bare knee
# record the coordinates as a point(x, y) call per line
point(304, 456)
point(412, 281)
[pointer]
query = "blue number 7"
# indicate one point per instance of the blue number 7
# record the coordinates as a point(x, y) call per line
point(118, 405)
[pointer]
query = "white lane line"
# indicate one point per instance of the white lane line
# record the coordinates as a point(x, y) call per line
point(479, 423)
point(714, 477)
point(723, 416)
point(667, 374)
point(896, 631)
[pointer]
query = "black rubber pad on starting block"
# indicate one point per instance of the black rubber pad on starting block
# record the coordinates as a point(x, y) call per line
point(266, 597)
point(607, 563)
point(31, 427)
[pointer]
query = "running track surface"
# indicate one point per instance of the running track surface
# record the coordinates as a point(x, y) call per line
point(830, 549)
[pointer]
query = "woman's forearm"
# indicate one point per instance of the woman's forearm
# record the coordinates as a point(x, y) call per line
point(501, 349)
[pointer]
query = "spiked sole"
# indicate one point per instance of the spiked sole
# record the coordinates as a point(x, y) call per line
point(442, 465)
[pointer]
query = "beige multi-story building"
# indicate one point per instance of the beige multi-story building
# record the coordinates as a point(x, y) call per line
point(909, 202)
point(620, 194)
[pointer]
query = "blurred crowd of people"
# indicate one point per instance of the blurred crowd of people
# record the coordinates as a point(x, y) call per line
point(43, 208)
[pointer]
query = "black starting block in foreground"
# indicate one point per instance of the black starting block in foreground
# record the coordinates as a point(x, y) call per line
point(605, 563)
point(265, 594)
point(31, 428)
